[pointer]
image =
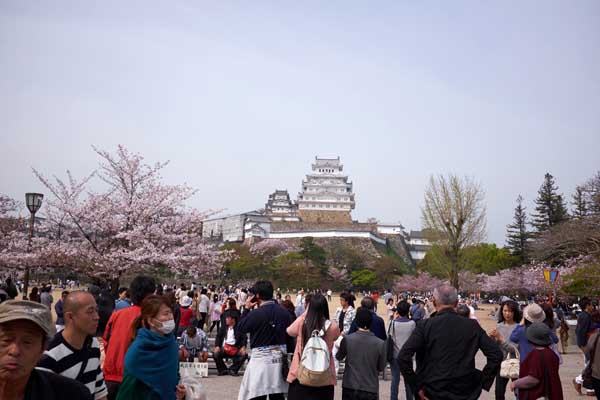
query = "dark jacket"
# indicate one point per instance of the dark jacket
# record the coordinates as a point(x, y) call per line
point(44, 385)
point(445, 348)
point(267, 325)
point(240, 338)
point(377, 327)
point(584, 325)
point(362, 368)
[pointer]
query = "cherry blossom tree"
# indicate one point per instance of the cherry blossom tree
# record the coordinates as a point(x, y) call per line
point(269, 247)
point(422, 282)
point(340, 276)
point(136, 222)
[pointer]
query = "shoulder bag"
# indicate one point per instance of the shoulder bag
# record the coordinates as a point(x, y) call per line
point(389, 341)
point(509, 368)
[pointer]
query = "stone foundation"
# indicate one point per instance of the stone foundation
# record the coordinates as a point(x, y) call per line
point(325, 217)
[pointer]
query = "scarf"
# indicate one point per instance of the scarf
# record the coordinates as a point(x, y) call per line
point(152, 358)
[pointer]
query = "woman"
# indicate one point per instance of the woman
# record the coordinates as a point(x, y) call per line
point(533, 313)
point(34, 295)
point(215, 313)
point(538, 374)
point(508, 318)
point(345, 314)
point(151, 363)
point(186, 313)
point(390, 308)
point(313, 319)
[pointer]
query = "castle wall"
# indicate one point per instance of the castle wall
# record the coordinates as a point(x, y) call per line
point(321, 216)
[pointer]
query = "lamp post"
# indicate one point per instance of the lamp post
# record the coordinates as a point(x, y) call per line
point(33, 202)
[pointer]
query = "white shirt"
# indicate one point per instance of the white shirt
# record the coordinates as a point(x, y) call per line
point(230, 339)
point(204, 304)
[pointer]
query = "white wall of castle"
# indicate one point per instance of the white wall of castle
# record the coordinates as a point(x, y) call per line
point(327, 234)
point(417, 255)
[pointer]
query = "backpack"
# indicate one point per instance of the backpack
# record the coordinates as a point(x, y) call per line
point(313, 369)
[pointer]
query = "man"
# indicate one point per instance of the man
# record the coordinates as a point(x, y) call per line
point(231, 336)
point(123, 301)
point(300, 303)
point(59, 309)
point(117, 335)
point(400, 329)
point(10, 288)
point(266, 322)
point(24, 328)
point(446, 345)
point(377, 326)
point(203, 307)
point(361, 373)
point(583, 328)
point(46, 296)
point(419, 312)
point(74, 352)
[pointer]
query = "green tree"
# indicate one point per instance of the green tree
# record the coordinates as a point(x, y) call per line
point(517, 236)
point(454, 214)
point(388, 269)
point(363, 279)
point(579, 203)
point(313, 253)
point(549, 206)
point(484, 258)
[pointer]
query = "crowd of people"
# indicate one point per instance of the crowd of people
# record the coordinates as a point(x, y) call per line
point(129, 347)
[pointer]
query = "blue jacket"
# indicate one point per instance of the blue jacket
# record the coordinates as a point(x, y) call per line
point(377, 327)
point(519, 337)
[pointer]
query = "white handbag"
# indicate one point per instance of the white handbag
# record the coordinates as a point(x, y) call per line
point(509, 368)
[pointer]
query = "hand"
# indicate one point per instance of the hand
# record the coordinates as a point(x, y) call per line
point(511, 386)
point(249, 303)
point(242, 351)
point(216, 349)
point(180, 392)
point(493, 333)
point(185, 353)
point(422, 395)
point(500, 338)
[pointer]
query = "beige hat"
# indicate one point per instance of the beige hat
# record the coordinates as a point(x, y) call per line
point(13, 310)
point(534, 313)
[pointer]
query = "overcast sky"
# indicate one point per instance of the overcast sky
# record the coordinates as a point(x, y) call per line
point(241, 96)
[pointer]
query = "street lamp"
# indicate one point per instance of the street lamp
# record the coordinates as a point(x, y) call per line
point(33, 202)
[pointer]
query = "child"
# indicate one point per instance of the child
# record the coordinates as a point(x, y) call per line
point(193, 343)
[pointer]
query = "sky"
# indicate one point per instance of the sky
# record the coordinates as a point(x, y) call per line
point(241, 96)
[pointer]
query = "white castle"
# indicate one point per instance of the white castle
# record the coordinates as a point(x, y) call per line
point(323, 209)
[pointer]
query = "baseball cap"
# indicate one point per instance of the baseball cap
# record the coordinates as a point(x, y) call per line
point(14, 310)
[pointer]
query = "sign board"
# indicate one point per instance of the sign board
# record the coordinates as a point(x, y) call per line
point(550, 275)
point(193, 369)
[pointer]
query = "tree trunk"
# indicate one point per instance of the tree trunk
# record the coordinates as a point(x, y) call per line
point(454, 272)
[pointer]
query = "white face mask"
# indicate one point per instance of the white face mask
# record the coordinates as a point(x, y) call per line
point(166, 326)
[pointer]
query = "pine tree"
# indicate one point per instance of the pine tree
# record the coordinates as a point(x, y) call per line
point(550, 206)
point(517, 235)
point(580, 207)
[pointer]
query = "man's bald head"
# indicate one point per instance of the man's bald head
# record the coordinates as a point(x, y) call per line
point(445, 296)
point(77, 299)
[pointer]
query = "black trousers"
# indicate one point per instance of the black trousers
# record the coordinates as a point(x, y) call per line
point(501, 384)
point(113, 389)
point(220, 357)
point(297, 391)
point(355, 394)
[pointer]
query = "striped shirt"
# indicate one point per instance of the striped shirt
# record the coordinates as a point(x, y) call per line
point(63, 359)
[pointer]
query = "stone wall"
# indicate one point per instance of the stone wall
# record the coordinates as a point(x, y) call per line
point(324, 216)
point(314, 226)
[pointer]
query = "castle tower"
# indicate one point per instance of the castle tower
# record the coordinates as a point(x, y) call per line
point(326, 194)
